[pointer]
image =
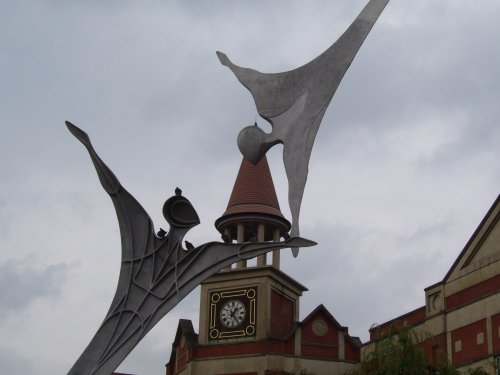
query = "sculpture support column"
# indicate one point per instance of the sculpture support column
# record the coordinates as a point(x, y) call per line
point(276, 253)
point(240, 238)
point(262, 259)
point(227, 232)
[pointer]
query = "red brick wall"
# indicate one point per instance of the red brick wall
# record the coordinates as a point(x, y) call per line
point(412, 318)
point(434, 349)
point(290, 345)
point(282, 317)
point(182, 355)
point(321, 352)
point(474, 292)
point(327, 346)
point(352, 353)
point(238, 349)
point(470, 349)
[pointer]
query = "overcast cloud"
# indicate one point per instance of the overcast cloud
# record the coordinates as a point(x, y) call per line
point(406, 163)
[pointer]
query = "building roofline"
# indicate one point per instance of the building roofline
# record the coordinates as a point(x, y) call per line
point(472, 238)
point(322, 307)
point(397, 319)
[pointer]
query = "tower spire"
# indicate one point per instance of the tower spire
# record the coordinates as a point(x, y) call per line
point(253, 212)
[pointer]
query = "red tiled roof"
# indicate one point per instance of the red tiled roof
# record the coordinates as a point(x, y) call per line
point(254, 187)
point(253, 194)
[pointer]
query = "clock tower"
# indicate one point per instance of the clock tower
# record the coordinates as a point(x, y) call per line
point(243, 303)
point(249, 312)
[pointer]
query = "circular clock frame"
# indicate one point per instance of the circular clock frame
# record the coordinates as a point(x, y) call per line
point(221, 304)
point(232, 313)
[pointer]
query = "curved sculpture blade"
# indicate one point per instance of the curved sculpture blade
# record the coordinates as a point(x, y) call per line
point(156, 273)
point(294, 102)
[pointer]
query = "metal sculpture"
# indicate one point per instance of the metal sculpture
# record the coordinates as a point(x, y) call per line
point(294, 103)
point(156, 272)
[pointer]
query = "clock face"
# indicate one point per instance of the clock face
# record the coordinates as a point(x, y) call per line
point(232, 313)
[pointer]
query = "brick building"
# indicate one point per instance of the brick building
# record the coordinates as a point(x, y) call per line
point(460, 321)
point(249, 315)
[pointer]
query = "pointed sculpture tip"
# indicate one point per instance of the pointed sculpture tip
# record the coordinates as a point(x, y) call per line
point(224, 60)
point(295, 243)
point(78, 133)
point(69, 125)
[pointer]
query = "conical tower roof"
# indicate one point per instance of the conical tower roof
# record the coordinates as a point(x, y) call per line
point(253, 199)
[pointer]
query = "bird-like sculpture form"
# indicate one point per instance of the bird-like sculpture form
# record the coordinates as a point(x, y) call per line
point(156, 272)
point(294, 103)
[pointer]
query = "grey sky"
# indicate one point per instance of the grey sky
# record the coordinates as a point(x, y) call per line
point(406, 162)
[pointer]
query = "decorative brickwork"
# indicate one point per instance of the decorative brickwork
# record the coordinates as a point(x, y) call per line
point(282, 319)
point(473, 293)
point(470, 349)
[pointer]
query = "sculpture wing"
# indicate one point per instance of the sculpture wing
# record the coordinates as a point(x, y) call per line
point(155, 274)
point(206, 260)
point(138, 242)
point(294, 102)
point(136, 227)
point(275, 93)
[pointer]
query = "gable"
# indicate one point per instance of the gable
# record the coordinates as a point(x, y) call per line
point(323, 337)
point(488, 249)
point(320, 336)
point(482, 249)
point(320, 329)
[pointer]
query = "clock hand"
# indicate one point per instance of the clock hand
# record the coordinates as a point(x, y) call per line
point(233, 313)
